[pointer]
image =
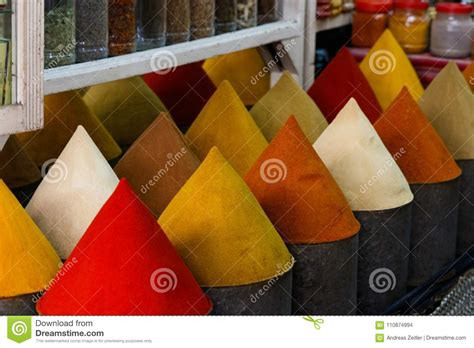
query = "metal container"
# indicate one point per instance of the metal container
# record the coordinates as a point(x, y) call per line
point(18, 305)
point(384, 247)
point(325, 278)
point(270, 297)
point(466, 208)
point(434, 229)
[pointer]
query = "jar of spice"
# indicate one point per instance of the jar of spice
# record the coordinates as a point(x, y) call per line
point(451, 30)
point(246, 14)
point(92, 33)
point(202, 18)
point(369, 21)
point(151, 24)
point(269, 11)
point(178, 21)
point(226, 16)
point(59, 33)
point(122, 27)
point(410, 24)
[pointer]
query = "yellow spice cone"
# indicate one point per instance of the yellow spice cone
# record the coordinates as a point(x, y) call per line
point(225, 122)
point(16, 167)
point(27, 261)
point(361, 164)
point(242, 70)
point(125, 107)
point(220, 230)
point(449, 105)
point(284, 99)
point(63, 113)
point(469, 75)
point(388, 70)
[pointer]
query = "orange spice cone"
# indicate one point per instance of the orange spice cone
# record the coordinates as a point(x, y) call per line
point(284, 99)
point(158, 164)
point(388, 70)
point(227, 241)
point(225, 122)
point(63, 113)
point(125, 107)
point(124, 265)
point(303, 201)
point(449, 103)
point(434, 179)
point(380, 197)
point(27, 261)
point(243, 70)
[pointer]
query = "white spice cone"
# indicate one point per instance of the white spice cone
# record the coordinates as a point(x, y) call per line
point(70, 195)
point(361, 164)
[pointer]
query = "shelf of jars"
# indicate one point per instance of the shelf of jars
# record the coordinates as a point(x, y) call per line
point(81, 75)
point(90, 42)
point(335, 22)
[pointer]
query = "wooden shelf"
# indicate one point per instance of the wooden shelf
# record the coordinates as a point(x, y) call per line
point(90, 73)
point(338, 21)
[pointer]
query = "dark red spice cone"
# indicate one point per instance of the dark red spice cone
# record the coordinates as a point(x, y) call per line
point(340, 81)
point(124, 265)
point(184, 91)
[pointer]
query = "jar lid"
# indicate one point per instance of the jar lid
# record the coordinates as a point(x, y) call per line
point(411, 4)
point(373, 6)
point(450, 7)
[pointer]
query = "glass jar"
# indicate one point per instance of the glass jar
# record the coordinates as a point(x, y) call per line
point(269, 11)
point(369, 21)
point(151, 24)
point(122, 27)
point(410, 23)
point(59, 33)
point(92, 30)
point(226, 16)
point(178, 21)
point(202, 18)
point(451, 30)
point(246, 14)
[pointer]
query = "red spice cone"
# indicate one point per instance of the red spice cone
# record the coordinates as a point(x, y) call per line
point(124, 265)
point(184, 91)
point(297, 191)
point(340, 81)
point(418, 149)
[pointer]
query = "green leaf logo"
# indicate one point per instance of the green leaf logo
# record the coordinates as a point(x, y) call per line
point(316, 322)
point(19, 329)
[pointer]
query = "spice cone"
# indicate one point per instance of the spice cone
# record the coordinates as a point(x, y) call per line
point(220, 230)
point(414, 143)
point(388, 70)
point(340, 81)
point(361, 164)
point(242, 69)
point(298, 193)
point(125, 107)
point(284, 99)
point(124, 265)
point(71, 194)
point(183, 91)
point(158, 164)
point(448, 103)
point(469, 75)
point(16, 167)
point(27, 261)
point(63, 113)
point(225, 122)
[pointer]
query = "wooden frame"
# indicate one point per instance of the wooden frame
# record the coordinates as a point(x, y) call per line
point(26, 112)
